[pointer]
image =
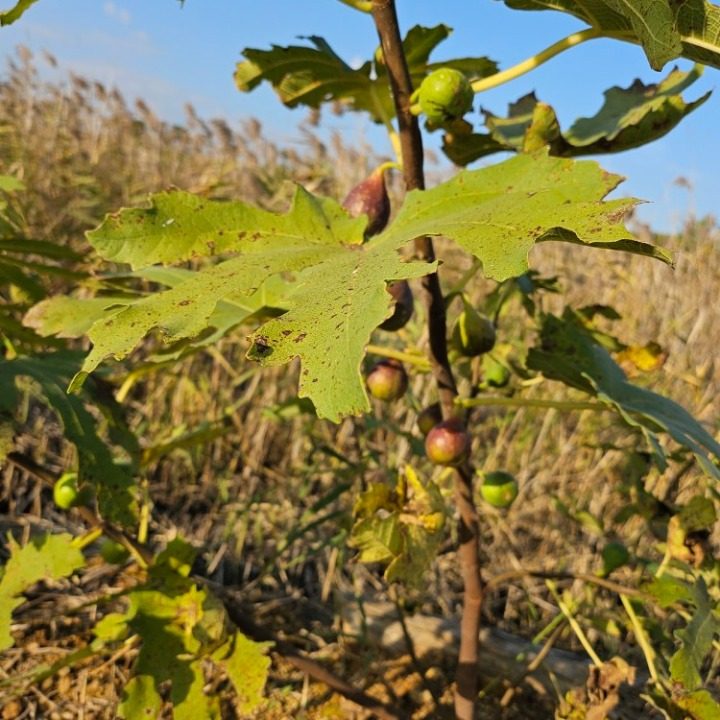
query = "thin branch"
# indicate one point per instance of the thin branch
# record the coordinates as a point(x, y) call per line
point(420, 362)
point(642, 638)
point(575, 625)
point(386, 21)
point(519, 402)
point(507, 577)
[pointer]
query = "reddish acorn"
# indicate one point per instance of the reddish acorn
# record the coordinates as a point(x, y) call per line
point(404, 304)
point(370, 198)
point(429, 417)
point(387, 380)
point(448, 443)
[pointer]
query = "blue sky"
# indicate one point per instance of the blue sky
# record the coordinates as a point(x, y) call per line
point(169, 55)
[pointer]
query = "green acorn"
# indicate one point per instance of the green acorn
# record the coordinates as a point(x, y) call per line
point(499, 488)
point(445, 95)
point(387, 380)
point(473, 334)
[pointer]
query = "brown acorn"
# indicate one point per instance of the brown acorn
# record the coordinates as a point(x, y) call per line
point(404, 304)
point(370, 198)
point(448, 443)
point(387, 380)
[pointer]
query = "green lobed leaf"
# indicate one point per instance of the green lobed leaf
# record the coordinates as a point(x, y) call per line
point(8, 17)
point(629, 117)
point(66, 316)
point(246, 664)
point(637, 114)
point(179, 226)
point(329, 330)
point(567, 352)
point(181, 626)
point(140, 699)
point(696, 640)
point(112, 481)
point(337, 294)
point(378, 539)
point(46, 557)
point(69, 317)
point(665, 29)
point(499, 212)
point(315, 75)
point(668, 590)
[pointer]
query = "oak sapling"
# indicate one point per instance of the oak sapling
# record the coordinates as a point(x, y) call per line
point(387, 380)
point(429, 417)
point(448, 443)
point(445, 95)
point(404, 305)
point(474, 333)
point(499, 488)
point(370, 198)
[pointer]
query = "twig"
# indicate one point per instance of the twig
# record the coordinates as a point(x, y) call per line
point(642, 638)
point(575, 625)
point(419, 361)
point(497, 401)
point(504, 578)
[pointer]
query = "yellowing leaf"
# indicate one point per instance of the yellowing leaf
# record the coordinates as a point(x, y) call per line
point(644, 358)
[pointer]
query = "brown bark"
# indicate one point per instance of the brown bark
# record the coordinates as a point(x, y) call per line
point(385, 17)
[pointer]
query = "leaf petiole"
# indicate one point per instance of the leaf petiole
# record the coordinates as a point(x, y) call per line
point(496, 401)
point(535, 61)
point(361, 5)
